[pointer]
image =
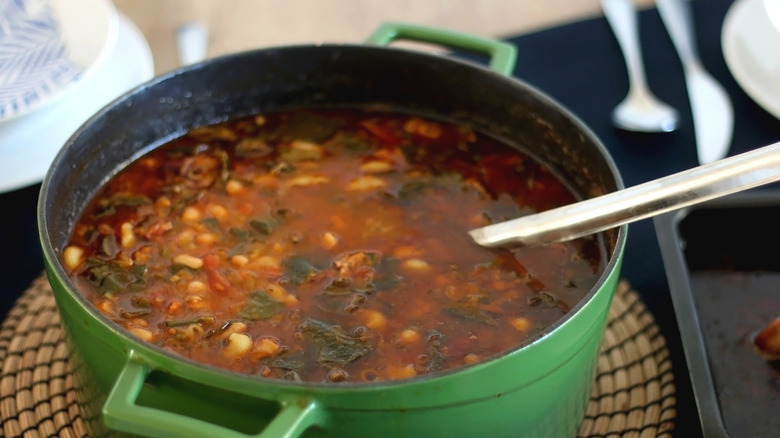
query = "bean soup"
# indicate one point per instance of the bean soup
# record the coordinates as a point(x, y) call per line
point(327, 245)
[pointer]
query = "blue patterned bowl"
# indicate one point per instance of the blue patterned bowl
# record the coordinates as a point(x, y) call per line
point(45, 52)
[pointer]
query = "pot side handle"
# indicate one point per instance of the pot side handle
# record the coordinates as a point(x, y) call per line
point(502, 55)
point(121, 413)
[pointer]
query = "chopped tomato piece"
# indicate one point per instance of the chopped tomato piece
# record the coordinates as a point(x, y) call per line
point(217, 280)
point(383, 132)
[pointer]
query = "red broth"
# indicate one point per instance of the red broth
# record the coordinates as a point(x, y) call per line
point(327, 245)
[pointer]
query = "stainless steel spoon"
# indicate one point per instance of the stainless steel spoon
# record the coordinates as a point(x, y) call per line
point(640, 110)
point(699, 184)
point(191, 43)
point(710, 105)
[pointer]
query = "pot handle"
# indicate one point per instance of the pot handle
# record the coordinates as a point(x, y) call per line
point(121, 413)
point(502, 55)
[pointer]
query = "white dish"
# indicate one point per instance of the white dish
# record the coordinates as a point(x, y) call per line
point(772, 8)
point(29, 143)
point(49, 47)
point(751, 47)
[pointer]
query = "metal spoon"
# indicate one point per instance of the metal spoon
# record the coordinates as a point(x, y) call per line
point(191, 43)
point(640, 110)
point(699, 184)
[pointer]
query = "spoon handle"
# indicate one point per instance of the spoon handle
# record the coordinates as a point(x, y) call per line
point(699, 184)
point(676, 15)
point(191, 43)
point(621, 16)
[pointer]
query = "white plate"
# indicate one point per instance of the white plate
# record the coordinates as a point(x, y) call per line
point(751, 47)
point(29, 143)
point(49, 47)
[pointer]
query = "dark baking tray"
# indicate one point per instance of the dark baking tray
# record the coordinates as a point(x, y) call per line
point(722, 261)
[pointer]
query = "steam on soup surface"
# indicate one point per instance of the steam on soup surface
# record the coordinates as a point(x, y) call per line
point(327, 245)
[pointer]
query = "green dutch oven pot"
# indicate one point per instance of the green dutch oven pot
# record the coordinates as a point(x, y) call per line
point(128, 387)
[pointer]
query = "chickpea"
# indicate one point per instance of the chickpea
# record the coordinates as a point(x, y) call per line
point(189, 261)
point(191, 215)
point(365, 183)
point(329, 240)
point(402, 372)
point(127, 235)
point(470, 358)
point(373, 319)
point(239, 260)
point(144, 334)
point(266, 347)
point(234, 187)
point(409, 336)
point(521, 324)
point(416, 265)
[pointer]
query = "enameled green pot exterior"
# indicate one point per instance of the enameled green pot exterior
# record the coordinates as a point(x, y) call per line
point(126, 386)
point(538, 391)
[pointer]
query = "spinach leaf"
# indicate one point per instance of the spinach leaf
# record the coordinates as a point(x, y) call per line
point(352, 142)
point(313, 127)
point(298, 270)
point(252, 147)
point(202, 319)
point(296, 154)
point(264, 227)
point(211, 223)
point(130, 200)
point(140, 301)
point(469, 308)
point(130, 314)
point(183, 196)
point(239, 234)
point(224, 161)
point(260, 306)
point(109, 246)
point(339, 286)
point(110, 277)
point(108, 206)
point(339, 304)
point(385, 282)
point(413, 188)
point(335, 345)
point(293, 361)
point(382, 277)
point(385, 277)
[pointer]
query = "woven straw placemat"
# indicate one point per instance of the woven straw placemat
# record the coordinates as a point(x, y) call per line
point(633, 395)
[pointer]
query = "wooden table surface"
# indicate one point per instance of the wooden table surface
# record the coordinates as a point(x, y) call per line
point(236, 25)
